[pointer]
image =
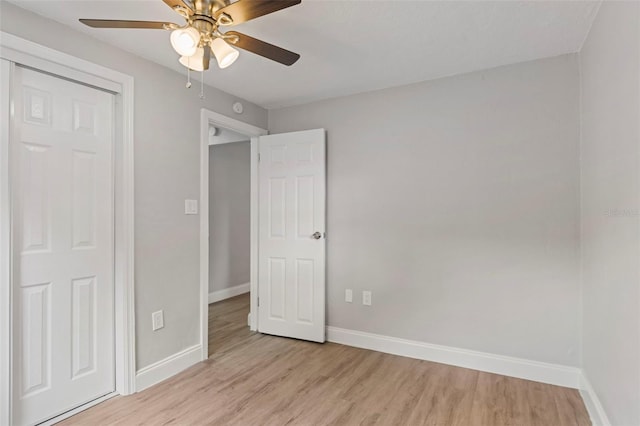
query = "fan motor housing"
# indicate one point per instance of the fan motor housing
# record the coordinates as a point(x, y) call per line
point(204, 24)
point(208, 7)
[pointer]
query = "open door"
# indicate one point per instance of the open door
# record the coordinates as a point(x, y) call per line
point(291, 271)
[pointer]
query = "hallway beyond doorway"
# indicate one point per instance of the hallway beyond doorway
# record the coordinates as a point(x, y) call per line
point(228, 324)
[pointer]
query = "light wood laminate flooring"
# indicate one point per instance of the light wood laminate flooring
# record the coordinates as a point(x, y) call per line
point(256, 379)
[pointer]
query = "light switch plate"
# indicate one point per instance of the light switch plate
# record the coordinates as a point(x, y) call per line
point(157, 320)
point(190, 206)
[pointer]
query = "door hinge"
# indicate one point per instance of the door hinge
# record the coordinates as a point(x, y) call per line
point(258, 157)
point(258, 302)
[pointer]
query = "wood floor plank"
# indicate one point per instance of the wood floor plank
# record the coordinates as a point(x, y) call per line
point(446, 397)
point(571, 408)
point(500, 400)
point(542, 405)
point(256, 379)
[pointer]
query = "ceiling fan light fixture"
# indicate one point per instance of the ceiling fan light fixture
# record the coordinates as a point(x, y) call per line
point(194, 62)
point(224, 53)
point(201, 31)
point(185, 41)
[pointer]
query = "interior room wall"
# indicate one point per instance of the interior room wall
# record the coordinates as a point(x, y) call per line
point(229, 215)
point(456, 202)
point(167, 151)
point(610, 164)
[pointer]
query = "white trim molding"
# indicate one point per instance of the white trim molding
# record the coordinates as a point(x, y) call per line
point(5, 250)
point(168, 367)
point(227, 293)
point(210, 118)
point(554, 374)
point(27, 53)
point(592, 403)
point(254, 225)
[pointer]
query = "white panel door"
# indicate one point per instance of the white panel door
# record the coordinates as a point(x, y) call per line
point(291, 271)
point(63, 224)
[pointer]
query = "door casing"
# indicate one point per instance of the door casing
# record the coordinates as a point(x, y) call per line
point(210, 118)
point(14, 49)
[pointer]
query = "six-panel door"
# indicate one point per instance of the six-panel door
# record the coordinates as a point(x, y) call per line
point(291, 269)
point(63, 224)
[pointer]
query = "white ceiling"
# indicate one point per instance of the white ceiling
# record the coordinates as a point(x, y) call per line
point(352, 46)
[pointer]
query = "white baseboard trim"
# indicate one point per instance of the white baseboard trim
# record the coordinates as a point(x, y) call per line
point(508, 366)
point(592, 402)
point(226, 293)
point(170, 366)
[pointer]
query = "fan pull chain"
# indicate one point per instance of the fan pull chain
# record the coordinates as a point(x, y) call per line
point(202, 84)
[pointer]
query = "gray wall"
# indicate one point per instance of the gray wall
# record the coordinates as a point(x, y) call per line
point(456, 202)
point(167, 118)
point(229, 214)
point(610, 152)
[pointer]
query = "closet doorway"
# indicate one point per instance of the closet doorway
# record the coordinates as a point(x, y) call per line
point(66, 216)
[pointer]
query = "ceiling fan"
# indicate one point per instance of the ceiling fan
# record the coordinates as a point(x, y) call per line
point(201, 35)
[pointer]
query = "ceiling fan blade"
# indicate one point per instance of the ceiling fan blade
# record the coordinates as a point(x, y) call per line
point(173, 3)
point(262, 48)
point(114, 23)
point(245, 10)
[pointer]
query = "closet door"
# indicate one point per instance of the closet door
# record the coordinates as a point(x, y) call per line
point(61, 170)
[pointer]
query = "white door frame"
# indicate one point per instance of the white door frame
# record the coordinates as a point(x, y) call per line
point(27, 53)
point(208, 118)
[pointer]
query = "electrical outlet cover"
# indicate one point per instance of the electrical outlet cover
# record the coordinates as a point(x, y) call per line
point(366, 298)
point(348, 295)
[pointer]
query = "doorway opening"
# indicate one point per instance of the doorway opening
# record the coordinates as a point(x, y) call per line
point(228, 229)
point(229, 237)
point(287, 232)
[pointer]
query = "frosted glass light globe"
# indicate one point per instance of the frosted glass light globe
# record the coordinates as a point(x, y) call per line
point(194, 62)
point(185, 41)
point(225, 54)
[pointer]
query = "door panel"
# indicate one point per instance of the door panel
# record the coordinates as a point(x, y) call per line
point(84, 330)
point(36, 332)
point(304, 290)
point(304, 206)
point(36, 217)
point(291, 272)
point(277, 207)
point(63, 224)
point(277, 288)
point(83, 209)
